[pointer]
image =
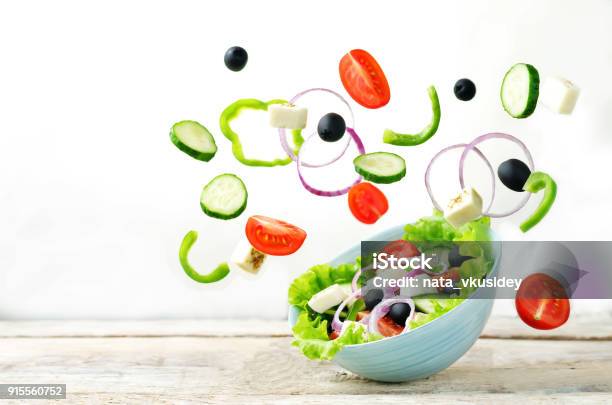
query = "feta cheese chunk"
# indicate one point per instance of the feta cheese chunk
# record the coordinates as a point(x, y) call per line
point(466, 207)
point(327, 298)
point(348, 290)
point(559, 95)
point(246, 257)
point(287, 116)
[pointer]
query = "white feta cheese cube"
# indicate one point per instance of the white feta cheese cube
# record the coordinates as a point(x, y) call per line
point(246, 257)
point(559, 95)
point(465, 207)
point(327, 298)
point(287, 116)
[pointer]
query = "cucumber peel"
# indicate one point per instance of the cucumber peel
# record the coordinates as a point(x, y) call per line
point(520, 90)
point(194, 139)
point(224, 197)
point(398, 139)
point(380, 167)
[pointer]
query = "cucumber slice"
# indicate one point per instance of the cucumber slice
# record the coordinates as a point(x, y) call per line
point(425, 305)
point(427, 302)
point(194, 139)
point(520, 90)
point(225, 197)
point(380, 167)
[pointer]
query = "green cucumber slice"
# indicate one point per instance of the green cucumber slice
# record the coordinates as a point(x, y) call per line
point(520, 90)
point(380, 167)
point(224, 197)
point(194, 139)
point(430, 303)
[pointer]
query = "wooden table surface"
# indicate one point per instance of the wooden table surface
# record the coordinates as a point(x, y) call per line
point(252, 362)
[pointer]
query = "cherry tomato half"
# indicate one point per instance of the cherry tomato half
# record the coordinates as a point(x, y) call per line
point(387, 327)
point(364, 80)
point(367, 203)
point(542, 302)
point(401, 248)
point(274, 237)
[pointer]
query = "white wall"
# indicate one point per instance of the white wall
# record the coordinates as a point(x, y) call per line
point(95, 199)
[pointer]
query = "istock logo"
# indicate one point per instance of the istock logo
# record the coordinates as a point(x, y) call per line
point(382, 261)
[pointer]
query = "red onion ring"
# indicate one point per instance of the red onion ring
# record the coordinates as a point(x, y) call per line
point(355, 278)
point(336, 323)
point(282, 133)
point(497, 135)
point(383, 308)
point(437, 155)
point(332, 193)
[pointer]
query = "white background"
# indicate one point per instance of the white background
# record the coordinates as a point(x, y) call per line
point(95, 199)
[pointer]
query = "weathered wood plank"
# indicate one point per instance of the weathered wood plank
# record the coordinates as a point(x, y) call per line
point(443, 399)
point(227, 369)
point(595, 327)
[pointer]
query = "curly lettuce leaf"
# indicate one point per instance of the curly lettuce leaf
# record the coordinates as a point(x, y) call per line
point(311, 337)
point(318, 278)
point(435, 229)
point(441, 306)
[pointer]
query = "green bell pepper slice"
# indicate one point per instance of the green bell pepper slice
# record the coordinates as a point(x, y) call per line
point(539, 181)
point(395, 138)
point(217, 274)
point(232, 112)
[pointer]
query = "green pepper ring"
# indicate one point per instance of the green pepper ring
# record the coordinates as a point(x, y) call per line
point(232, 112)
point(539, 181)
point(394, 138)
point(220, 272)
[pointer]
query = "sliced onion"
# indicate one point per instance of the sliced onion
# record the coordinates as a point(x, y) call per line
point(355, 278)
point(331, 193)
point(336, 322)
point(383, 308)
point(282, 133)
point(497, 135)
point(448, 148)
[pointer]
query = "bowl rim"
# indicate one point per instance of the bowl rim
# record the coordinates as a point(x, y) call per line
point(422, 328)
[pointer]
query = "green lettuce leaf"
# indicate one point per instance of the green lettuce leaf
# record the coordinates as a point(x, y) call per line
point(311, 337)
point(441, 306)
point(435, 229)
point(318, 278)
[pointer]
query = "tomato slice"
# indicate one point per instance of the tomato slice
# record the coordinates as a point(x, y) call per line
point(387, 327)
point(542, 302)
point(367, 203)
point(401, 248)
point(364, 80)
point(334, 335)
point(273, 236)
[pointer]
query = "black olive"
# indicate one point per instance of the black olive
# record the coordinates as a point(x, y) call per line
point(454, 257)
point(514, 174)
point(399, 312)
point(465, 89)
point(331, 127)
point(236, 58)
point(372, 298)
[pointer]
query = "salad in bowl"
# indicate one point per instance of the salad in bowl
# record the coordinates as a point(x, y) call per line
point(397, 334)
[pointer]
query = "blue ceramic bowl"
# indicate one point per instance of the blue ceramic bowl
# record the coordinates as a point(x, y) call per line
point(424, 351)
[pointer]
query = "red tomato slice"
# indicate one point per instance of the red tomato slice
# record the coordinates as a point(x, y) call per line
point(274, 237)
point(334, 335)
point(542, 302)
point(367, 203)
point(387, 327)
point(364, 80)
point(401, 248)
